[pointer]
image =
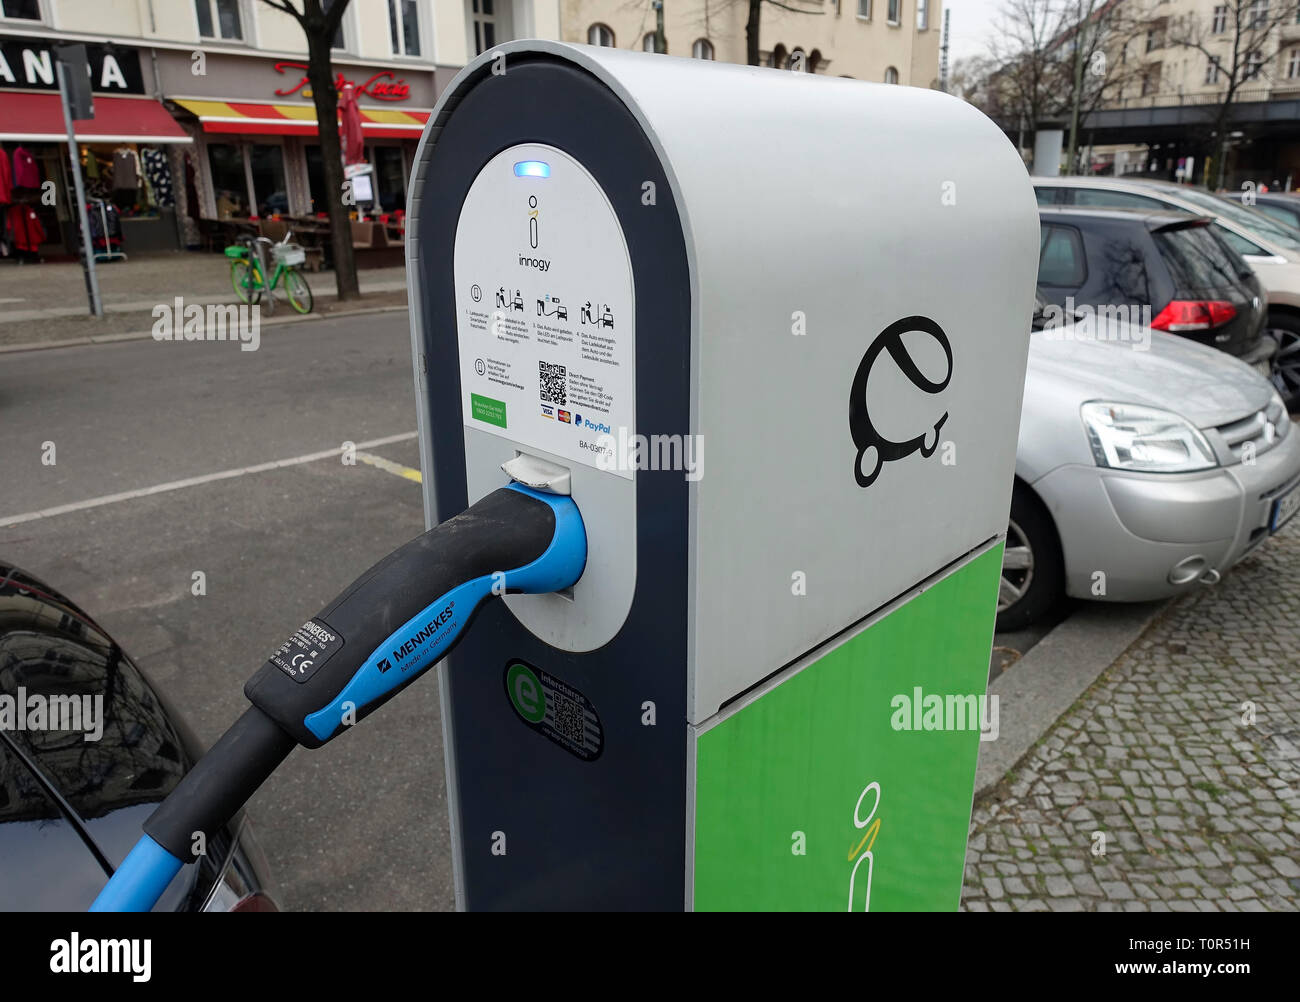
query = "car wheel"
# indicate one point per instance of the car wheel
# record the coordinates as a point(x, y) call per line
point(1032, 567)
point(1285, 330)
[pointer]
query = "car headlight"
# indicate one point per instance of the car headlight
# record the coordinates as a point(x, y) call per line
point(1144, 439)
point(1277, 416)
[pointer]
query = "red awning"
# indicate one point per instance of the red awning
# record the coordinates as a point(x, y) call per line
point(251, 118)
point(39, 118)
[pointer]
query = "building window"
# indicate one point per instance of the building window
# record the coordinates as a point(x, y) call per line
point(1257, 14)
point(483, 14)
point(922, 15)
point(702, 49)
point(1151, 81)
point(1254, 66)
point(600, 34)
point(1153, 40)
point(895, 13)
point(217, 19)
point(404, 27)
point(27, 10)
point(891, 75)
point(1212, 71)
point(339, 42)
point(1220, 23)
point(648, 43)
point(864, 9)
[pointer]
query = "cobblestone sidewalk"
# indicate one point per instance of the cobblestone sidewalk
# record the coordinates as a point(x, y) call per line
point(1198, 808)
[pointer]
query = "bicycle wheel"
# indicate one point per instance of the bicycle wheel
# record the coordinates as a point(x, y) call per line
point(246, 279)
point(297, 290)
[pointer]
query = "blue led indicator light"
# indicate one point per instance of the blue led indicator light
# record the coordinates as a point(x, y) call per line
point(532, 168)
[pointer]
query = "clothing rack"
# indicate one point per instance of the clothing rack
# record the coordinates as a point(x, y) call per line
point(109, 233)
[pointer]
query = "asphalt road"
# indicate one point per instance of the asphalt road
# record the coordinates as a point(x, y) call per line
point(362, 822)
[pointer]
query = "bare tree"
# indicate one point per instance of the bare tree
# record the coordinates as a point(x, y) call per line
point(1237, 40)
point(753, 21)
point(969, 79)
point(1052, 59)
point(1097, 29)
point(320, 22)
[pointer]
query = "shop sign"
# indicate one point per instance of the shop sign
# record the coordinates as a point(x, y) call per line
point(382, 86)
point(31, 65)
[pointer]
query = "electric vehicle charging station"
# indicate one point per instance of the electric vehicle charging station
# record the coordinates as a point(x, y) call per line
point(817, 289)
point(683, 677)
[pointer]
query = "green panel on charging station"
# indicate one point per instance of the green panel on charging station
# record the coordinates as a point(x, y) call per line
point(835, 790)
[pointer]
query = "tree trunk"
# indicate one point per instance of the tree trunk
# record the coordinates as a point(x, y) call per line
point(751, 32)
point(325, 96)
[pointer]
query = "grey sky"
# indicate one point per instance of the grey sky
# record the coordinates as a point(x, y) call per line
point(972, 20)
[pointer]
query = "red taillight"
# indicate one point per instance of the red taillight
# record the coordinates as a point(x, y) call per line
point(1193, 315)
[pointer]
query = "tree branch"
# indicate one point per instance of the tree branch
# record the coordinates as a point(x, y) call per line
point(793, 10)
point(286, 7)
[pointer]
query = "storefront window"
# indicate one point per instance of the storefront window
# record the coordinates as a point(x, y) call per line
point(229, 185)
point(388, 170)
point(267, 163)
point(135, 178)
point(316, 179)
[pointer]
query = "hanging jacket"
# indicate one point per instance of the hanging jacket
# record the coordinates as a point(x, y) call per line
point(6, 179)
point(25, 229)
point(26, 174)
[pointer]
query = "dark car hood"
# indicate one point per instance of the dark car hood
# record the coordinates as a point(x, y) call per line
point(105, 788)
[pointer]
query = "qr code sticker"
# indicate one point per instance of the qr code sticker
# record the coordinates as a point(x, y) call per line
point(554, 383)
point(568, 720)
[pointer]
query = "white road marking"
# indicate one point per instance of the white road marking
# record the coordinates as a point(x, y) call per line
point(206, 478)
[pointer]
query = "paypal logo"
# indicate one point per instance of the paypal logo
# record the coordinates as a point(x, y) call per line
point(603, 429)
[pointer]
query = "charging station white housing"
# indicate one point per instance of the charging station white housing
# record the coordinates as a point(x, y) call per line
point(844, 279)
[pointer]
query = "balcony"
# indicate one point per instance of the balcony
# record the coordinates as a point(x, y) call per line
point(1246, 94)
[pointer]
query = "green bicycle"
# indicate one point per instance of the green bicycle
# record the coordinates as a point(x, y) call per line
point(247, 272)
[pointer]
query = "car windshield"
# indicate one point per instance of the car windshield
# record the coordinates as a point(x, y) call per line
point(1247, 219)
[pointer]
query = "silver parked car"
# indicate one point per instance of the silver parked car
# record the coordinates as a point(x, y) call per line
point(1146, 463)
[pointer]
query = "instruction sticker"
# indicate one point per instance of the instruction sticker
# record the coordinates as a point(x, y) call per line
point(310, 646)
point(544, 302)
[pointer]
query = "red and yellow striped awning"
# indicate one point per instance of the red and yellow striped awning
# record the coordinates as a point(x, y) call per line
point(298, 119)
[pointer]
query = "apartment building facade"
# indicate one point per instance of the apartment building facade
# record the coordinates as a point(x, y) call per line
point(888, 41)
point(1265, 33)
point(1179, 59)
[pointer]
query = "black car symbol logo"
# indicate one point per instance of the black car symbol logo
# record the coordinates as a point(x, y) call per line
point(874, 450)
